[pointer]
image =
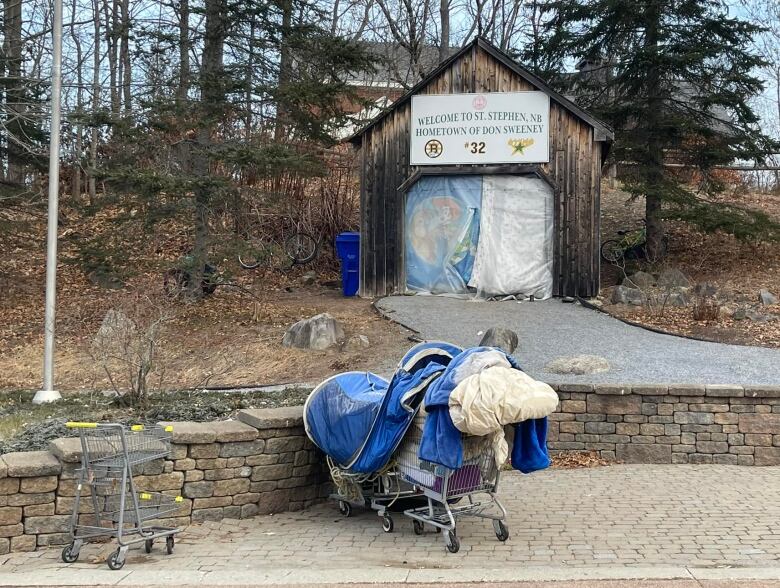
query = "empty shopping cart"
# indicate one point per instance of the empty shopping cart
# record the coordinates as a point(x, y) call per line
point(110, 454)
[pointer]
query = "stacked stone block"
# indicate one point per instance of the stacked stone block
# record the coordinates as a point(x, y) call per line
point(260, 463)
point(697, 424)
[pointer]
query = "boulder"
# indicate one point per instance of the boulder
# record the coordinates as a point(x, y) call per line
point(578, 365)
point(758, 317)
point(626, 295)
point(504, 339)
point(115, 329)
point(766, 298)
point(705, 290)
point(356, 343)
point(673, 297)
point(318, 332)
point(673, 278)
point(639, 280)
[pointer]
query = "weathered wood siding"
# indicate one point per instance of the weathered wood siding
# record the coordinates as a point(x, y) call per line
point(574, 169)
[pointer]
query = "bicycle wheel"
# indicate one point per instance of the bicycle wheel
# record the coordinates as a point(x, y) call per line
point(612, 251)
point(301, 247)
point(253, 255)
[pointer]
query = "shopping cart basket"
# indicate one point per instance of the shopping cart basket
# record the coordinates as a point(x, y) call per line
point(110, 454)
point(384, 492)
point(451, 494)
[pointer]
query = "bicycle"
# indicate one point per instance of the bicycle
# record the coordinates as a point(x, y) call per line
point(299, 248)
point(631, 245)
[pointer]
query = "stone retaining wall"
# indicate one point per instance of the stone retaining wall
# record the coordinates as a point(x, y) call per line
point(670, 424)
point(261, 463)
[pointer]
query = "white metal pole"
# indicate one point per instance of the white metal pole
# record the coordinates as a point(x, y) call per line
point(48, 393)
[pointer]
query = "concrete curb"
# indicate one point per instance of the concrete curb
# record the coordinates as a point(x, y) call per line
point(385, 575)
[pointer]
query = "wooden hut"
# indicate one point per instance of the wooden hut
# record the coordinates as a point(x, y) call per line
point(569, 160)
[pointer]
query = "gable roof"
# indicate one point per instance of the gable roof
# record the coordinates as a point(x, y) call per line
point(604, 132)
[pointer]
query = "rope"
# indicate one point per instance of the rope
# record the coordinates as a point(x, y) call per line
point(350, 486)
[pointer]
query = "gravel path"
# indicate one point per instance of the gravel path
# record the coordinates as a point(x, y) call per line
point(552, 329)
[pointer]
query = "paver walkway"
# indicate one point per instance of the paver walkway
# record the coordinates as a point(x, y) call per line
point(620, 521)
point(551, 329)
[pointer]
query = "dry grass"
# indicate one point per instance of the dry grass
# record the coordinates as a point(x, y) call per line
point(737, 268)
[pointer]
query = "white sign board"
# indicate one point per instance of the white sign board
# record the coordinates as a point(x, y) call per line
point(495, 127)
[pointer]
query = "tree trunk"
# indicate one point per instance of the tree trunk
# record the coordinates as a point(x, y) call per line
point(184, 52)
point(212, 101)
point(112, 31)
point(285, 66)
point(95, 106)
point(14, 97)
point(655, 156)
point(79, 142)
point(124, 57)
point(444, 15)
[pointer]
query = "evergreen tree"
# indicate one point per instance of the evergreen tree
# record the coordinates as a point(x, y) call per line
point(265, 100)
point(673, 78)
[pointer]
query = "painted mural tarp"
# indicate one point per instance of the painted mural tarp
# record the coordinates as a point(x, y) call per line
point(442, 231)
point(485, 236)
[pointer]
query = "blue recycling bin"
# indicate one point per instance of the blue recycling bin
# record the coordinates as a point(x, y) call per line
point(348, 250)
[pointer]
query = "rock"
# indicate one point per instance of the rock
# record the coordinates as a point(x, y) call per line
point(578, 365)
point(318, 332)
point(189, 432)
point(705, 290)
point(626, 295)
point(105, 279)
point(232, 431)
point(272, 418)
point(66, 449)
point(27, 464)
point(766, 298)
point(504, 339)
point(356, 343)
point(673, 297)
point(739, 314)
point(309, 278)
point(115, 329)
point(673, 278)
point(758, 317)
point(639, 280)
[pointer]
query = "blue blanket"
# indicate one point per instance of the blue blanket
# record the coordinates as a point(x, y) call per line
point(441, 441)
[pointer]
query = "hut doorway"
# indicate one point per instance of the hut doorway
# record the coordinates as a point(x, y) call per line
point(484, 235)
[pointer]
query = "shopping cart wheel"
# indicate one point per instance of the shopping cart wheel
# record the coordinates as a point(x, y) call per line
point(387, 523)
point(114, 562)
point(345, 508)
point(148, 545)
point(453, 544)
point(418, 527)
point(69, 554)
point(502, 532)
point(169, 543)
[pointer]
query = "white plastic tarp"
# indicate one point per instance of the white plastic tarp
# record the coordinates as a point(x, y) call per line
point(514, 253)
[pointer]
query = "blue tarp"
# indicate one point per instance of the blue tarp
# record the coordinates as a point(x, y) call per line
point(442, 232)
point(358, 418)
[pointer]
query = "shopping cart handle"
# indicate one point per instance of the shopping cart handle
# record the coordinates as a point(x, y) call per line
point(78, 425)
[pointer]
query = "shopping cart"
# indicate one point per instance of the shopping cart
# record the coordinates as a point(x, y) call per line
point(468, 491)
point(110, 454)
point(383, 492)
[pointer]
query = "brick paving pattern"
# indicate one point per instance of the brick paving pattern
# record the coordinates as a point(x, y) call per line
point(624, 515)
